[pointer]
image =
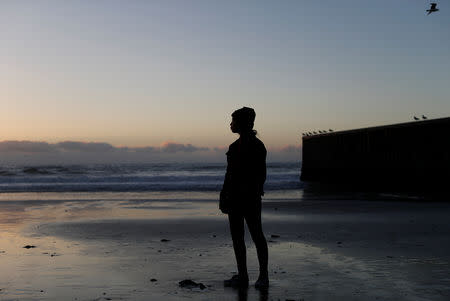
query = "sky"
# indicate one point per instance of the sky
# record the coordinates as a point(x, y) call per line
point(143, 76)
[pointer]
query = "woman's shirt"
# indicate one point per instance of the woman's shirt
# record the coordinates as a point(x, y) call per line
point(246, 171)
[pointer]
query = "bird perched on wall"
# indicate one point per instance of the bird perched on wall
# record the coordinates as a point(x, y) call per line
point(424, 117)
point(432, 8)
point(415, 118)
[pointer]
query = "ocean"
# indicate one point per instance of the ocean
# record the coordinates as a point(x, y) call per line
point(161, 177)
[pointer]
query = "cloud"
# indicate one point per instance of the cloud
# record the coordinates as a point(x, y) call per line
point(93, 147)
point(26, 147)
point(85, 146)
point(291, 148)
point(220, 149)
point(172, 147)
point(146, 149)
point(77, 152)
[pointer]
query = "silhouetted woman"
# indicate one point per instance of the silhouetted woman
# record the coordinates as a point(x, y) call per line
point(240, 197)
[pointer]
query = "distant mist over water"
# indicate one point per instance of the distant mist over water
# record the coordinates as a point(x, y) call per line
point(76, 152)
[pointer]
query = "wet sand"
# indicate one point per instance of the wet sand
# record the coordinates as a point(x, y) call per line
point(320, 248)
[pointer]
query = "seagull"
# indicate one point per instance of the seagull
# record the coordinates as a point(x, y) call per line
point(432, 8)
point(415, 118)
point(424, 117)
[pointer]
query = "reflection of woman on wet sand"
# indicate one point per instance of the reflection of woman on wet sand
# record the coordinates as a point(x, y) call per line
point(240, 197)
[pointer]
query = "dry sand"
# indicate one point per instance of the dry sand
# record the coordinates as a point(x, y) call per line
point(323, 248)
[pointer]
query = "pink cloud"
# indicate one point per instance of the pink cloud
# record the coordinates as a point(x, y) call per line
point(173, 147)
point(291, 148)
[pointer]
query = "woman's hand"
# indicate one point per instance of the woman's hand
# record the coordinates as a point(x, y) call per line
point(224, 202)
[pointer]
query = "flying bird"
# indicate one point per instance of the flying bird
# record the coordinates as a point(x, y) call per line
point(424, 117)
point(432, 8)
point(415, 118)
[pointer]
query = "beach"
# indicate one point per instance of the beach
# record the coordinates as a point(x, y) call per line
point(124, 124)
point(140, 245)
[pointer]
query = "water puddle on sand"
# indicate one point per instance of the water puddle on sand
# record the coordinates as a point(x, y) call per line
point(322, 272)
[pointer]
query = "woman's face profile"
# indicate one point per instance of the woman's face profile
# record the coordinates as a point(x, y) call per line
point(234, 126)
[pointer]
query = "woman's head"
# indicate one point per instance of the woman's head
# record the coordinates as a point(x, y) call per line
point(243, 120)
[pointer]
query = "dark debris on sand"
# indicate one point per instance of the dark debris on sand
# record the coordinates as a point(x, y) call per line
point(29, 247)
point(187, 283)
point(165, 240)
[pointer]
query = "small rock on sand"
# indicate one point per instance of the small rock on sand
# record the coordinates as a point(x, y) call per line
point(191, 284)
point(153, 280)
point(165, 240)
point(29, 247)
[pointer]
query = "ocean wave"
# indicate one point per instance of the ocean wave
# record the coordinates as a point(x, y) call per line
point(137, 177)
